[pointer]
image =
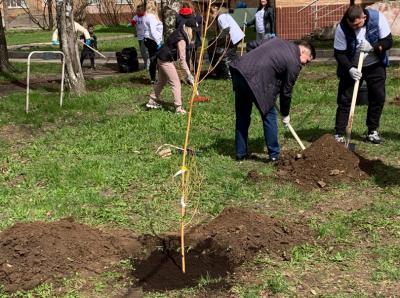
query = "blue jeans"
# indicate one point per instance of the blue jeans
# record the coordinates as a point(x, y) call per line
point(244, 99)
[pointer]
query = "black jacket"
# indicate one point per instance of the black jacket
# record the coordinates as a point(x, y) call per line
point(169, 51)
point(271, 70)
point(181, 20)
point(269, 20)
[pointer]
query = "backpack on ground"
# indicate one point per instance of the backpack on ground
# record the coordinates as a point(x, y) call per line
point(127, 60)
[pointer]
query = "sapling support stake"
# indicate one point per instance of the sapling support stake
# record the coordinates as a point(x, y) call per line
point(184, 171)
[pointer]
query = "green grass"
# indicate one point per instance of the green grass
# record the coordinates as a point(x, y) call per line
point(15, 37)
point(94, 159)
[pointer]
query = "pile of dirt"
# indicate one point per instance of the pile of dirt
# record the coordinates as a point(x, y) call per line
point(34, 253)
point(324, 163)
point(217, 248)
point(395, 101)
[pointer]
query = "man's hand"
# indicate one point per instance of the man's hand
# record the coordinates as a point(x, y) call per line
point(190, 79)
point(273, 35)
point(286, 120)
point(365, 46)
point(159, 44)
point(88, 42)
point(355, 74)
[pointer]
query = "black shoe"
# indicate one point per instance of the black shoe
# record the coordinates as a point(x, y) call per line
point(273, 160)
point(242, 158)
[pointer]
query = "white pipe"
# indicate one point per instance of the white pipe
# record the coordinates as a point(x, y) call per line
point(28, 77)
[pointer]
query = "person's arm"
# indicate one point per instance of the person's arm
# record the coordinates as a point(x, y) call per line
point(251, 22)
point(340, 49)
point(272, 18)
point(181, 46)
point(383, 44)
point(152, 23)
point(288, 83)
point(95, 42)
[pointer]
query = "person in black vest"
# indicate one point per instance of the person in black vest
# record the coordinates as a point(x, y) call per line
point(86, 51)
point(172, 50)
point(259, 77)
point(364, 30)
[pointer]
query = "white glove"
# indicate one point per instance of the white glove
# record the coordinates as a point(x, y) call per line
point(365, 46)
point(190, 79)
point(286, 120)
point(355, 74)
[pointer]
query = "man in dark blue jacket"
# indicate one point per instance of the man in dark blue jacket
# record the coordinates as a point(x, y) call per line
point(364, 30)
point(259, 77)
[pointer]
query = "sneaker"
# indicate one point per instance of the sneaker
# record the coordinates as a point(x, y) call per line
point(180, 110)
point(373, 137)
point(152, 82)
point(340, 138)
point(242, 158)
point(273, 160)
point(152, 104)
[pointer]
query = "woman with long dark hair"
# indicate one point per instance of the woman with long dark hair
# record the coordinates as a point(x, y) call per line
point(264, 21)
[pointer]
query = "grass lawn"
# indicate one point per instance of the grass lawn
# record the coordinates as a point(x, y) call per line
point(15, 37)
point(94, 160)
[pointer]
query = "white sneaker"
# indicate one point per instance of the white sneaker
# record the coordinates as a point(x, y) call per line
point(340, 138)
point(373, 137)
point(152, 104)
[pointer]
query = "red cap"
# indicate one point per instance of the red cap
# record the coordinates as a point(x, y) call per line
point(185, 11)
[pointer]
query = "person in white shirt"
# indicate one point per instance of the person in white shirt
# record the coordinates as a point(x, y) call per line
point(223, 48)
point(153, 36)
point(138, 22)
point(365, 30)
point(264, 21)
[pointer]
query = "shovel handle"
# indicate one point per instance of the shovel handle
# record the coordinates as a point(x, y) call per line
point(296, 136)
point(353, 101)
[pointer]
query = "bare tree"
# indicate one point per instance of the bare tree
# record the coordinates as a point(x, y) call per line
point(44, 20)
point(5, 13)
point(109, 11)
point(69, 46)
point(5, 65)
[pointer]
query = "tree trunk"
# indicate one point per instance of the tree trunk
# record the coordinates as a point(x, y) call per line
point(5, 14)
point(5, 65)
point(50, 14)
point(69, 46)
point(169, 10)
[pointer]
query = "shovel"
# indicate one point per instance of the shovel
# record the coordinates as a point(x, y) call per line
point(352, 146)
point(292, 131)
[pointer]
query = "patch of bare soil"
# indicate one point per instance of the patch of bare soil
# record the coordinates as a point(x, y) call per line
point(33, 253)
point(324, 163)
point(395, 101)
point(16, 133)
point(235, 236)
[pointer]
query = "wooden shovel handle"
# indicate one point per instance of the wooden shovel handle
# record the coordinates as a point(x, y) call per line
point(353, 100)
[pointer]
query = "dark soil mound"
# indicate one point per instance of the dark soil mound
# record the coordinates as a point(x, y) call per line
point(245, 233)
point(323, 163)
point(33, 253)
point(233, 237)
point(396, 101)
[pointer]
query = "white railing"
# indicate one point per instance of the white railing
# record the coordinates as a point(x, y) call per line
point(28, 76)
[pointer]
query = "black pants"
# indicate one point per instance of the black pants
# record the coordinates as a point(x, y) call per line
point(87, 53)
point(151, 46)
point(221, 54)
point(375, 77)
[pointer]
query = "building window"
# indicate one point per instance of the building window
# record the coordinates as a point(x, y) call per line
point(17, 4)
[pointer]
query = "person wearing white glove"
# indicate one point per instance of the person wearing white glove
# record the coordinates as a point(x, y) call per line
point(361, 30)
point(355, 74)
point(285, 120)
point(190, 79)
point(260, 77)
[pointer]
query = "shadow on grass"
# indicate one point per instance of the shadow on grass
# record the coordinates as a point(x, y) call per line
point(226, 147)
point(383, 175)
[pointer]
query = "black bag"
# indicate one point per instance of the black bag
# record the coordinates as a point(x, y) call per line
point(127, 60)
